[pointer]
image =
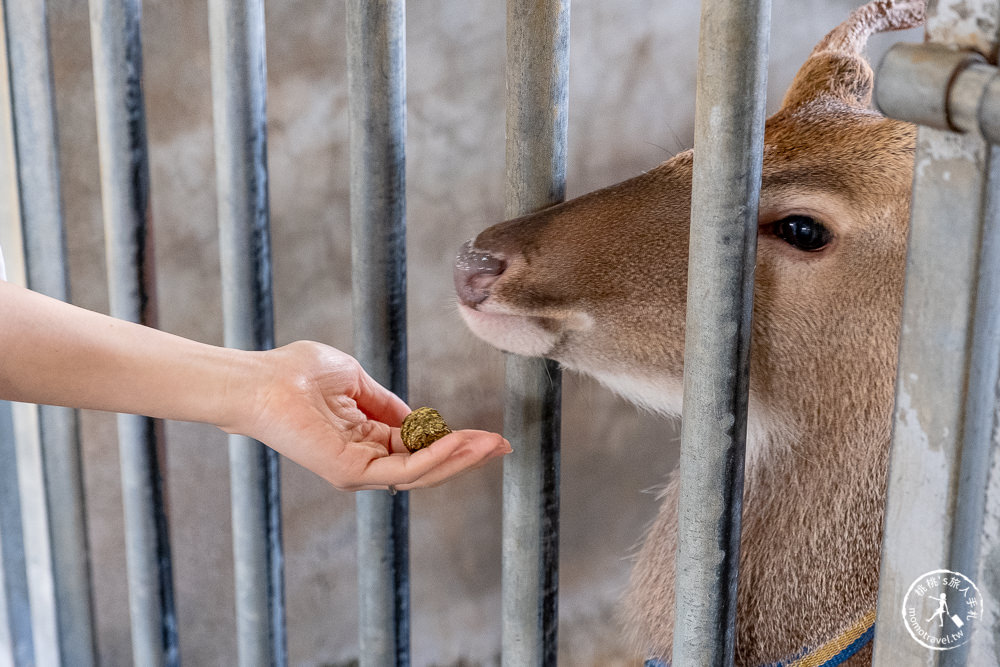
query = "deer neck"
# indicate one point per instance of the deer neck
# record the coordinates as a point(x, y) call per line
point(812, 522)
point(812, 526)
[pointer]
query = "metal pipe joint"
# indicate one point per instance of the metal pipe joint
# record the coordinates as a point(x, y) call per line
point(940, 87)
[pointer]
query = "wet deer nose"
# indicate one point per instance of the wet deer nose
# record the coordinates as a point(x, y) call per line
point(475, 271)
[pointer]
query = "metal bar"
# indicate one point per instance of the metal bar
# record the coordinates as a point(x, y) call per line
point(49, 466)
point(729, 139)
point(970, 551)
point(530, 568)
point(15, 609)
point(122, 146)
point(915, 81)
point(943, 459)
point(239, 82)
point(16, 647)
point(537, 80)
point(376, 62)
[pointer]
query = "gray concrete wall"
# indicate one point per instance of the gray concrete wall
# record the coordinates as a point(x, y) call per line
point(631, 105)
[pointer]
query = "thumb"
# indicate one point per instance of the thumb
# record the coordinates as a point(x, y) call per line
point(379, 403)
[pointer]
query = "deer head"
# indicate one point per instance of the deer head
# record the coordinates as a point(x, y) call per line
point(599, 284)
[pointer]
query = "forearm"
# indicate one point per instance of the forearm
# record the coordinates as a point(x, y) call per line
point(308, 401)
point(55, 353)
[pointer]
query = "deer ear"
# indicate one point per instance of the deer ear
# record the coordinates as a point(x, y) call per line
point(837, 68)
point(844, 77)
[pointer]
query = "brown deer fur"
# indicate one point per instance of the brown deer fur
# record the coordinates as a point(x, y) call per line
point(599, 284)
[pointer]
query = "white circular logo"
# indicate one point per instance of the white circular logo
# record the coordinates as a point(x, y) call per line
point(940, 608)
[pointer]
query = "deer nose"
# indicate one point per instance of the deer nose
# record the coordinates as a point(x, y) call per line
point(475, 271)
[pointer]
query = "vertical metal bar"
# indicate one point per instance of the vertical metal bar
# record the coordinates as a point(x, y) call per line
point(49, 466)
point(122, 146)
point(377, 86)
point(537, 79)
point(946, 387)
point(729, 139)
point(979, 468)
point(16, 642)
point(15, 610)
point(239, 83)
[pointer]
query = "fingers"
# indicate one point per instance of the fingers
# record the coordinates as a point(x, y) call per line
point(379, 403)
point(455, 453)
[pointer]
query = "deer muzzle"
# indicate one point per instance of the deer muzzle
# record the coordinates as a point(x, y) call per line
point(474, 273)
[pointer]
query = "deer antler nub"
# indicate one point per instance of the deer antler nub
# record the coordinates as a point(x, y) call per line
point(878, 16)
point(837, 70)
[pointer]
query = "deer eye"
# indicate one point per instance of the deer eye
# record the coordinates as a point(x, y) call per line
point(802, 232)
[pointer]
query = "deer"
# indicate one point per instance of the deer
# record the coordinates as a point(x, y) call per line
point(599, 283)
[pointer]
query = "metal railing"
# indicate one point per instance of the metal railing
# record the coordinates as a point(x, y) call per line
point(46, 612)
point(944, 470)
point(377, 89)
point(239, 84)
point(537, 78)
point(54, 549)
point(725, 190)
point(124, 156)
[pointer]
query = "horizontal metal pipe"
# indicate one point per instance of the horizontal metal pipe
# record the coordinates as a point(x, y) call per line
point(537, 108)
point(239, 84)
point(936, 86)
point(377, 88)
point(122, 147)
point(728, 148)
point(913, 82)
point(49, 459)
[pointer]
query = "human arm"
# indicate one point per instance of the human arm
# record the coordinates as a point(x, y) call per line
point(310, 402)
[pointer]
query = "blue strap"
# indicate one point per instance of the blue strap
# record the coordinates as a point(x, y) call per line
point(836, 660)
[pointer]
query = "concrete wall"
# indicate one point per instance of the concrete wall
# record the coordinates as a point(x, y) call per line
point(631, 105)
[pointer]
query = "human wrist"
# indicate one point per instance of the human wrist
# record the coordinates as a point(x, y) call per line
point(246, 383)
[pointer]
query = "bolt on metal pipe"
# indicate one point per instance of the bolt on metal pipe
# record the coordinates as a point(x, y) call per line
point(49, 465)
point(537, 77)
point(239, 84)
point(123, 152)
point(728, 149)
point(376, 61)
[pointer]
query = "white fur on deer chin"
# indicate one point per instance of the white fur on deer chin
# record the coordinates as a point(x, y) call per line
point(527, 335)
point(665, 396)
point(510, 333)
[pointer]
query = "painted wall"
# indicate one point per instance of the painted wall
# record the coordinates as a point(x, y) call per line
point(631, 107)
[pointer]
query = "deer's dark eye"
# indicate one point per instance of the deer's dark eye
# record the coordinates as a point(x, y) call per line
point(802, 232)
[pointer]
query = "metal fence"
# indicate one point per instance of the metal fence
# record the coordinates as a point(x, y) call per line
point(46, 616)
point(944, 490)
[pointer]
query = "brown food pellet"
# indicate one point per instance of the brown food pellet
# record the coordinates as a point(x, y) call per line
point(422, 427)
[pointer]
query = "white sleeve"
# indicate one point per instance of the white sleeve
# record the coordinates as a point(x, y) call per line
point(3, 274)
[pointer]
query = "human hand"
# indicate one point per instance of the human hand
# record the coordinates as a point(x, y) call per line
point(317, 406)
